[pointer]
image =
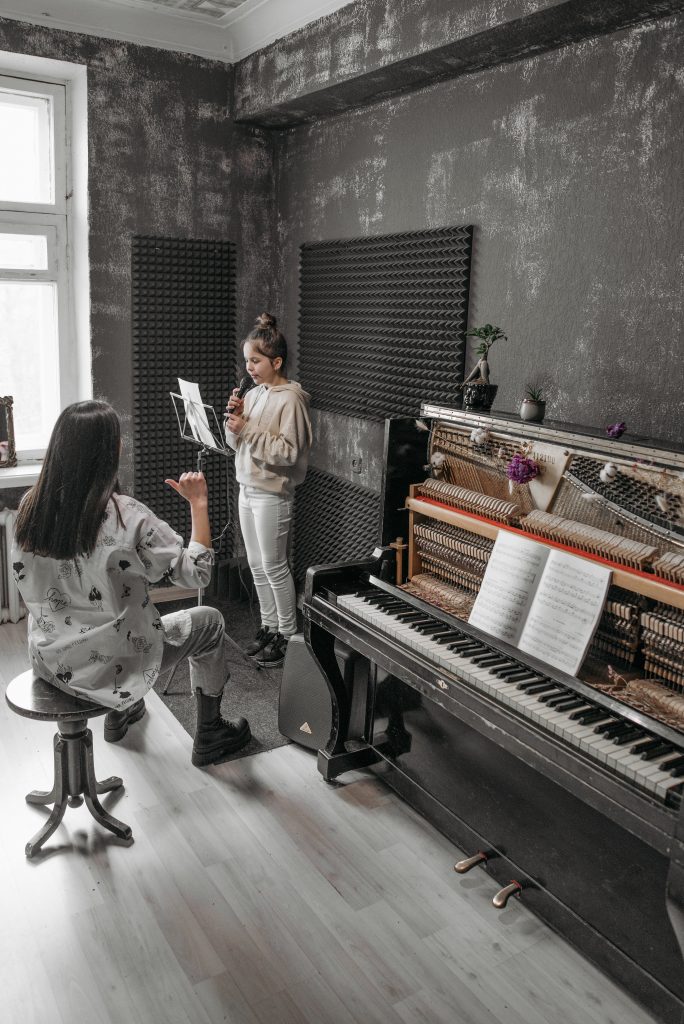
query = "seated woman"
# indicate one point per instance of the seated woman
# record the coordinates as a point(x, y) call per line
point(84, 558)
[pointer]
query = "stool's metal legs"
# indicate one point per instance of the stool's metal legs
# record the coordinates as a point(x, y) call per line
point(74, 780)
point(58, 794)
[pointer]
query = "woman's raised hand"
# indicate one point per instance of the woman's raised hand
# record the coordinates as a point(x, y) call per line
point(191, 486)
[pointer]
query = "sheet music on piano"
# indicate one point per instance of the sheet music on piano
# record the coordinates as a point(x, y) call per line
point(544, 601)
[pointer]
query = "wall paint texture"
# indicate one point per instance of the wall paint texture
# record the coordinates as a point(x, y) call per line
point(569, 164)
point(164, 159)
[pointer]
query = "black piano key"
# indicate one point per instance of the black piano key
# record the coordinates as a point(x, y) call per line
point(578, 715)
point(409, 616)
point(645, 745)
point(595, 715)
point(677, 772)
point(489, 662)
point(423, 627)
point(507, 673)
point(560, 698)
point(673, 762)
point(544, 698)
point(629, 736)
point(617, 730)
point(656, 752)
point(445, 638)
point(484, 658)
point(608, 726)
point(536, 685)
point(529, 677)
point(571, 704)
point(463, 641)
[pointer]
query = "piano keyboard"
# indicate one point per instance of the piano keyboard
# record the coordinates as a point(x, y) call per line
point(647, 761)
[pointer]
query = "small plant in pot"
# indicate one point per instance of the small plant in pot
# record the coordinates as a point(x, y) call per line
point(478, 391)
point(533, 406)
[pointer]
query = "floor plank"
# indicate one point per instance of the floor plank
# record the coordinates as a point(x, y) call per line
point(255, 894)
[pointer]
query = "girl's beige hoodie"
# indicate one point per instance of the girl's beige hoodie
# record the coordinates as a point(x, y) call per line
point(272, 449)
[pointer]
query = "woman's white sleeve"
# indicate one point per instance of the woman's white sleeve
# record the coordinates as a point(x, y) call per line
point(165, 557)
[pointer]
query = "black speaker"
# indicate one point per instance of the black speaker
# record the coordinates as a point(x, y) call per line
point(304, 709)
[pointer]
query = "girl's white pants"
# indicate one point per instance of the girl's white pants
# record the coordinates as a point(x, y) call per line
point(265, 522)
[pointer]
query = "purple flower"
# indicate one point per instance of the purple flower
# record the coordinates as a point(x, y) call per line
point(521, 470)
point(616, 430)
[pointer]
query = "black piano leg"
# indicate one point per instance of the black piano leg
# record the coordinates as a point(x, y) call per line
point(338, 665)
point(332, 765)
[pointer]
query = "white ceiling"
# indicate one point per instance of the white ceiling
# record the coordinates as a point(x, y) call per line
point(226, 30)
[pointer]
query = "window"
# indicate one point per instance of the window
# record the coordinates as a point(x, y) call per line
point(36, 340)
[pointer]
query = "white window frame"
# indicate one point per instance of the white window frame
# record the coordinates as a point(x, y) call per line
point(56, 219)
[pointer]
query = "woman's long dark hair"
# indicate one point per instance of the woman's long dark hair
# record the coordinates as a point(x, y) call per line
point(61, 515)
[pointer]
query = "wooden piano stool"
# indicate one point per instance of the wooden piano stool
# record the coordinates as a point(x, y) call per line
point(74, 778)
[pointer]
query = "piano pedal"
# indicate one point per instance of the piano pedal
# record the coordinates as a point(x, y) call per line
point(503, 895)
point(462, 866)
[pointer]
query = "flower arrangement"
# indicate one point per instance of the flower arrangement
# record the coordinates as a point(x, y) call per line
point(520, 470)
point(616, 430)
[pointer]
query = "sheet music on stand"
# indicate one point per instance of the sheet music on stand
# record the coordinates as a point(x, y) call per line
point(198, 422)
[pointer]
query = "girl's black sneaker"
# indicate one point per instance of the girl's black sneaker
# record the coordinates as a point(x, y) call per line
point(263, 637)
point(273, 653)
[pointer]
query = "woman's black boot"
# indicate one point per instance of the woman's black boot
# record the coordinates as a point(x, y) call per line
point(215, 737)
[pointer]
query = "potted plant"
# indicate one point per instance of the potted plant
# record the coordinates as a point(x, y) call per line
point(533, 406)
point(478, 392)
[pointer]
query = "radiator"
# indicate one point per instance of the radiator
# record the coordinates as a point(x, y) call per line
point(11, 606)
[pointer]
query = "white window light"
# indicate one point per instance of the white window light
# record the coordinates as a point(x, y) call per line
point(36, 342)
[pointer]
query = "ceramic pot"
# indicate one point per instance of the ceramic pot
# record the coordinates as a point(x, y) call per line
point(478, 395)
point(532, 410)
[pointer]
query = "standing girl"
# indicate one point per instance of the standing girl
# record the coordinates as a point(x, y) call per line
point(84, 558)
point(270, 431)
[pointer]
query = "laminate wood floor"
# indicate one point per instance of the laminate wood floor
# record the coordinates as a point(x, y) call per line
point(255, 894)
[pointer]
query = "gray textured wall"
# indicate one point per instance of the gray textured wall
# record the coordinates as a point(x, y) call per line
point(164, 159)
point(376, 48)
point(569, 164)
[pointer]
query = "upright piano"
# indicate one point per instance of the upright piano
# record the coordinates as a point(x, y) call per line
point(568, 790)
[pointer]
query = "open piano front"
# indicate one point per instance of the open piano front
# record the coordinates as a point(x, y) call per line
point(568, 790)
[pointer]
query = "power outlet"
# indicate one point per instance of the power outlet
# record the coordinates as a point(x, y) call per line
point(357, 464)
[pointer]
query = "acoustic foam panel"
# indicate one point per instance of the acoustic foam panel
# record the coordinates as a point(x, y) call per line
point(183, 308)
point(335, 521)
point(382, 321)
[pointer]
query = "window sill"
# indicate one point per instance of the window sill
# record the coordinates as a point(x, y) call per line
point(24, 474)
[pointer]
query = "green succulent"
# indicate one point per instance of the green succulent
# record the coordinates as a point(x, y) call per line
point(534, 393)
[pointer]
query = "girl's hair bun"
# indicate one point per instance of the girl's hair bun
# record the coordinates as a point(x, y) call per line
point(266, 321)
